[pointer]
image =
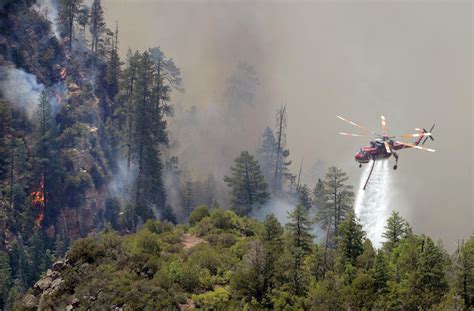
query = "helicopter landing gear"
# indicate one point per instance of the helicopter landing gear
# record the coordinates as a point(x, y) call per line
point(395, 167)
point(360, 165)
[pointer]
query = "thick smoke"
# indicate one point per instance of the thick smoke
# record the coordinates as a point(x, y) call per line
point(23, 90)
point(325, 59)
point(20, 88)
point(208, 137)
point(48, 8)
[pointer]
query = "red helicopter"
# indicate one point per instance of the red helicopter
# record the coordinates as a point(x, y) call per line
point(384, 146)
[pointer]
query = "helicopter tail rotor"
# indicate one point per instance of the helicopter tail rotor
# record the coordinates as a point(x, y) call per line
point(428, 136)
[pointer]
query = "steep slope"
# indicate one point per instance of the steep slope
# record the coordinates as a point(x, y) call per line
point(56, 164)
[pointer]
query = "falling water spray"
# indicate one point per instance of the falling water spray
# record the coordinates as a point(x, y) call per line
point(371, 205)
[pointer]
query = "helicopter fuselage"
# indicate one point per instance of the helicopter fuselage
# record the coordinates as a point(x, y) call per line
point(376, 151)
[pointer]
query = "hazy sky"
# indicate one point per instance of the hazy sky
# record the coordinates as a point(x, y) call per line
point(411, 61)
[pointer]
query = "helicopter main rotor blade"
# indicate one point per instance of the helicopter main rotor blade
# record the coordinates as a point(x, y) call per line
point(355, 135)
point(384, 125)
point(415, 146)
point(412, 135)
point(357, 125)
point(387, 147)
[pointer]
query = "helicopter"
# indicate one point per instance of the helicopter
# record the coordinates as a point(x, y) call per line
point(385, 145)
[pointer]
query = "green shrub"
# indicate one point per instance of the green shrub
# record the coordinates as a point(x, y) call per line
point(214, 300)
point(158, 227)
point(85, 250)
point(224, 239)
point(222, 219)
point(206, 257)
point(198, 214)
point(185, 274)
point(146, 242)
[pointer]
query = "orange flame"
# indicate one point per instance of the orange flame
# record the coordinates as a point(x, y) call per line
point(63, 73)
point(39, 201)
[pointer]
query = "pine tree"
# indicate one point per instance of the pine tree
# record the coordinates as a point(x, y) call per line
point(68, 12)
point(304, 197)
point(83, 19)
point(299, 228)
point(281, 174)
point(381, 274)
point(19, 175)
point(15, 293)
point(113, 73)
point(21, 264)
point(188, 197)
point(319, 196)
point(37, 251)
point(5, 132)
point(397, 229)
point(148, 82)
point(247, 183)
point(128, 84)
point(5, 279)
point(465, 273)
point(168, 77)
point(350, 240)
point(366, 260)
point(266, 155)
point(97, 24)
point(149, 131)
point(339, 198)
point(48, 168)
point(272, 243)
point(429, 284)
point(45, 128)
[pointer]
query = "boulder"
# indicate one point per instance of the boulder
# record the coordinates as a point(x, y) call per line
point(30, 301)
point(43, 283)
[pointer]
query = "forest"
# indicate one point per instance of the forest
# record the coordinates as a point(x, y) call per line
point(98, 211)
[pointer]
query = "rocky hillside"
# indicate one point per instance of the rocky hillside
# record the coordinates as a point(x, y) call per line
point(56, 155)
point(29, 47)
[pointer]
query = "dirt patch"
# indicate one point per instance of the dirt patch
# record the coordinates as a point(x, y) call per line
point(189, 305)
point(190, 240)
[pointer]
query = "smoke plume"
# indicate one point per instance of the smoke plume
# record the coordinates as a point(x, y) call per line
point(20, 88)
point(49, 9)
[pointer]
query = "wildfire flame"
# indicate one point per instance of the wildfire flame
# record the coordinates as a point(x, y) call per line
point(38, 201)
point(63, 73)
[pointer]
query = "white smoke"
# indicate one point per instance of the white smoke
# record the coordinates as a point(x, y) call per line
point(173, 186)
point(280, 207)
point(48, 9)
point(20, 88)
point(371, 204)
point(277, 206)
point(122, 179)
